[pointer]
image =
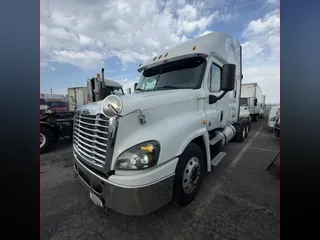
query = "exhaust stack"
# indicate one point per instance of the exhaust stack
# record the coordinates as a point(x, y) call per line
point(102, 75)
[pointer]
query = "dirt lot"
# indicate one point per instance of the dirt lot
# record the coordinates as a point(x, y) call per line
point(238, 200)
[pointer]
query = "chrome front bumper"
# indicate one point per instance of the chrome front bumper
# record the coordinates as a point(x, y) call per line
point(125, 199)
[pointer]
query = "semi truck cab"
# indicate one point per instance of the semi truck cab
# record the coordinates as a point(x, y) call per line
point(135, 153)
point(98, 88)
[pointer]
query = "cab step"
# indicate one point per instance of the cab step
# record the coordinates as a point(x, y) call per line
point(215, 140)
point(217, 159)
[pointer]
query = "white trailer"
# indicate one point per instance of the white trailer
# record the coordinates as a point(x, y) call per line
point(77, 97)
point(139, 151)
point(251, 96)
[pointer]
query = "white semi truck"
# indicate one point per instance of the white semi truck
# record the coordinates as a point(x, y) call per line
point(137, 152)
point(251, 97)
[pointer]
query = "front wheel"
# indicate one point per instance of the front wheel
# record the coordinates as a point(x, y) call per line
point(188, 175)
point(46, 138)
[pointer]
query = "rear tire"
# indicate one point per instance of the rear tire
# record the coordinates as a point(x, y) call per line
point(246, 126)
point(47, 138)
point(240, 135)
point(188, 175)
point(249, 125)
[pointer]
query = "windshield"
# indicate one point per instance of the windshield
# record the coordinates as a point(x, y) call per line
point(117, 92)
point(243, 102)
point(187, 73)
point(57, 104)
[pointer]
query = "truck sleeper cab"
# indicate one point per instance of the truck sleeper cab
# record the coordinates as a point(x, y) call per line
point(135, 153)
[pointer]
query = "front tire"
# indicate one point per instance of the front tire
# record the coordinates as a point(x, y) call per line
point(46, 138)
point(188, 175)
point(255, 118)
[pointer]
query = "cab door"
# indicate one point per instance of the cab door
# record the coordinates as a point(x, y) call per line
point(214, 111)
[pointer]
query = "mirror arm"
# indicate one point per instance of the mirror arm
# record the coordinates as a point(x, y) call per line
point(213, 99)
point(221, 95)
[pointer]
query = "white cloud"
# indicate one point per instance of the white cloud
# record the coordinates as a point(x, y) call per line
point(84, 59)
point(263, 38)
point(261, 52)
point(84, 32)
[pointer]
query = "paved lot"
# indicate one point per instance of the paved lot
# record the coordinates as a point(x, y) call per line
point(238, 200)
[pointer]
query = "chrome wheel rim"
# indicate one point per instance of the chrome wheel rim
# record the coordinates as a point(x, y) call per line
point(244, 132)
point(191, 175)
point(42, 140)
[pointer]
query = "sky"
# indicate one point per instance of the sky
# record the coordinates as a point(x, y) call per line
point(79, 37)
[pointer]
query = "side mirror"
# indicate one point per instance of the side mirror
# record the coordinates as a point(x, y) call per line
point(135, 85)
point(228, 77)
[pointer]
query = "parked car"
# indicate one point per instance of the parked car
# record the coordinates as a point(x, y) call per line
point(273, 116)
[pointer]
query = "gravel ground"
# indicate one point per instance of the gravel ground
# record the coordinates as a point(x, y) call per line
point(238, 200)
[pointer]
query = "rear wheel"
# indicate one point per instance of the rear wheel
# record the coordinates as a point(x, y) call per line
point(241, 132)
point(188, 175)
point(247, 128)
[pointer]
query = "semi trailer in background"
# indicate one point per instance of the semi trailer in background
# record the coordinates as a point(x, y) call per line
point(134, 153)
point(77, 97)
point(251, 97)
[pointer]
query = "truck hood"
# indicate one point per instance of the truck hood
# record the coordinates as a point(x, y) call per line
point(146, 100)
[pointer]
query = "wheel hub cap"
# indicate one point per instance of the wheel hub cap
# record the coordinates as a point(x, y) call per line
point(191, 175)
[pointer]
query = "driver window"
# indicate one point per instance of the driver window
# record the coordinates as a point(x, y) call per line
point(149, 84)
point(215, 79)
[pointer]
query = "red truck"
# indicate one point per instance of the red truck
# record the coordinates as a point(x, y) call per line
point(55, 105)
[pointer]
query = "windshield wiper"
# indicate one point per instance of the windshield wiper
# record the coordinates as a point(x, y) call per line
point(168, 87)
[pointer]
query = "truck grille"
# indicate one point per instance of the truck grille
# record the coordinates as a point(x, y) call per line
point(90, 138)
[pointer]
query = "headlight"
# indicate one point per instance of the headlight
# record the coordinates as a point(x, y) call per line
point(111, 106)
point(141, 156)
point(272, 119)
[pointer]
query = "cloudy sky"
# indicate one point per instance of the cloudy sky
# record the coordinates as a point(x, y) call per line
point(79, 37)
